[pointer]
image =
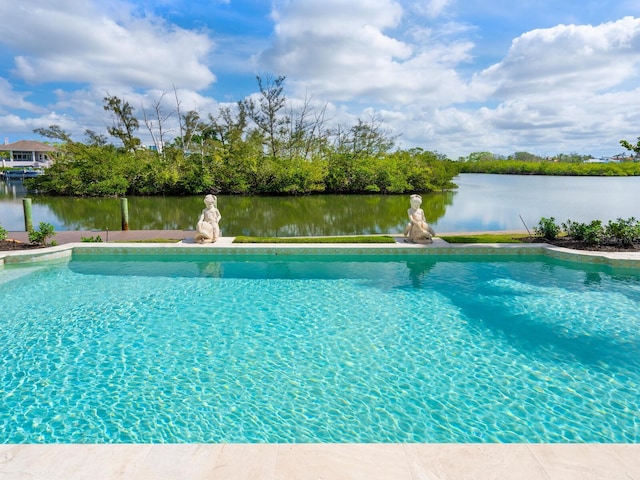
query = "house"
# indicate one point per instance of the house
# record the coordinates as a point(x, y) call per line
point(26, 153)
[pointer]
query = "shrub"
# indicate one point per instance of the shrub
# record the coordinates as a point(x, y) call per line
point(547, 228)
point(96, 239)
point(40, 236)
point(3, 233)
point(623, 232)
point(591, 233)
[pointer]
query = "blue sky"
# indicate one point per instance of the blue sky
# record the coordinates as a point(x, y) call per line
point(456, 76)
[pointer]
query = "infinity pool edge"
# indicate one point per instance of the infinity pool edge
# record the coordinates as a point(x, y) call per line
point(226, 247)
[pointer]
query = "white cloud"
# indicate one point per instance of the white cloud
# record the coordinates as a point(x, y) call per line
point(14, 126)
point(567, 59)
point(89, 114)
point(107, 46)
point(10, 99)
point(432, 8)
point(70, 41)
point(342, 52)
point(562, 89)
point(333, 16)
point(415, 62)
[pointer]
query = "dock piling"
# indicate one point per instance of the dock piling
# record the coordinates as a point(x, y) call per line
point(28, 216)
point(124, 210)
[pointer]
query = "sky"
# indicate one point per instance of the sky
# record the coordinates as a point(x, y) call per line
point(452, 76)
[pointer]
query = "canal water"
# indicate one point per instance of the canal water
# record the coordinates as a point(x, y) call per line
point(481, 202)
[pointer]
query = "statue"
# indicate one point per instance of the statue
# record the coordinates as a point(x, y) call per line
point(418, 230)
point(207, 227)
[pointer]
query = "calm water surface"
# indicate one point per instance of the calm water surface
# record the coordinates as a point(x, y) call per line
point(482, 202)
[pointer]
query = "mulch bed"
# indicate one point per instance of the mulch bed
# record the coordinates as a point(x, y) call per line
point(575, 245)
point(16, 245)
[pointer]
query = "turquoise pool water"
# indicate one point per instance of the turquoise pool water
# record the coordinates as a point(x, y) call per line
point(110, 349)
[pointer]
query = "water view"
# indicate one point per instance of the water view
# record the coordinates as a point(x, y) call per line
point(482, 202)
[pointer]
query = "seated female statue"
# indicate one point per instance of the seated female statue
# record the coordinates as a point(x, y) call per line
point(207, 229)
point(418, 230)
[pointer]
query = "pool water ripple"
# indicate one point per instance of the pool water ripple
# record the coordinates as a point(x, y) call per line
point(314, 350)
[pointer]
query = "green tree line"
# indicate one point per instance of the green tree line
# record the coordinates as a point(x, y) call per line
point(262, 145)
point(519, 167)
point(571, 164)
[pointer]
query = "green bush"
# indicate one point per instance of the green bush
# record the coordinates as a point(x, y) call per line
point(39, 237)
point(3, 233)
point(623, 232)
point(589, 233)
point(96, 239)
point(98, 171)
point(547, 228)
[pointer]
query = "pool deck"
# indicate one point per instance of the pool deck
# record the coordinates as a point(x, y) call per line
point(320, 461)
point(315, 461)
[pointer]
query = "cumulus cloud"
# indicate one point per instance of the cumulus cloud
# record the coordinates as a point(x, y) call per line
point(14, 126)
point(568, 59)
point(10, 99)
point(550, 91)
point(343, 51)
point(563, 86)
point(75, 41)
point(422, 65)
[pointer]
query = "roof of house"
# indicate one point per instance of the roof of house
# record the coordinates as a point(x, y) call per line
point(27, 146)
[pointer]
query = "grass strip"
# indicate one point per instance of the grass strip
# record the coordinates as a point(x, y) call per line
point(486, 238)
point(353, 239)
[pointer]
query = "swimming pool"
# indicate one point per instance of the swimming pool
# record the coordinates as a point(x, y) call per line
point(208, 348)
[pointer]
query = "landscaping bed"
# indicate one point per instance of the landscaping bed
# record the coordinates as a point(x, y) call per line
point(16, 245)
point(578, 245)
point(621, 235)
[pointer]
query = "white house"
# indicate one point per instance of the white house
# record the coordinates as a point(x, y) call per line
point(27, 153)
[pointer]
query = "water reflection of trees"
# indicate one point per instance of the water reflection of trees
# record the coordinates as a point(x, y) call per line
point(256, 216)
point(83, 213)
point(323, 214)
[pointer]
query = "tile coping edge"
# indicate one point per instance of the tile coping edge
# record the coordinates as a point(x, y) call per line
point(64, 252)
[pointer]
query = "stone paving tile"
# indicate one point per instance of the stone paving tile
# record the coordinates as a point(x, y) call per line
point(477, 461)
point(171, 462)
point(342, 462)
point(246, 462)
point(589, 462)
point(71, 462)
point(321, 461)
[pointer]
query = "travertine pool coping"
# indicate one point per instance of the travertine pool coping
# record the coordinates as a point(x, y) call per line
point(322, 461)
